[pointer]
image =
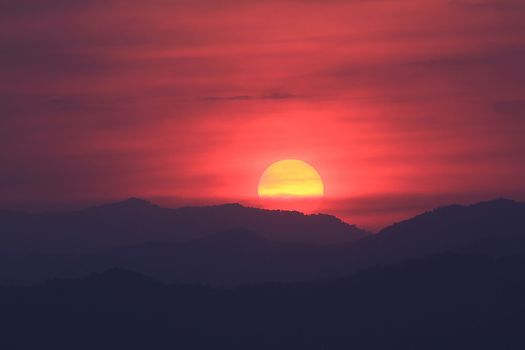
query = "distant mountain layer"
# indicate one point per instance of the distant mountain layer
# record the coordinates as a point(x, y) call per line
point(236, 256)
point(440, 302)
point(456, 228)
point(135, 221)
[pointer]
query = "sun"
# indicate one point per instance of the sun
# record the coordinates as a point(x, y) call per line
point(290, 179)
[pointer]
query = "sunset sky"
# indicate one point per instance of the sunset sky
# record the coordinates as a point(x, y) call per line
point(400, 105)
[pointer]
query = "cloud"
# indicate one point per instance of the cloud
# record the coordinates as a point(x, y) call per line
point(498, 62)
point(279, 96)
point(229, 98)
point(513, 108)
point(490, 5)
point(271, 96)
point(33, 7)
point(195, 98)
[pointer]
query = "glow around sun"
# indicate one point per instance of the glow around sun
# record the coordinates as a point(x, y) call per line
point(290, 178)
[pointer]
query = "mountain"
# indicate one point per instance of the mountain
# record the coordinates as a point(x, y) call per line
point(237, 256)
point(494, 228)
point(456, 228)
point(228, 259)
point(445, 301)
point(136, 221)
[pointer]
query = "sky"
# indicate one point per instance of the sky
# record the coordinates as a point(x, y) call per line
point(400, 105)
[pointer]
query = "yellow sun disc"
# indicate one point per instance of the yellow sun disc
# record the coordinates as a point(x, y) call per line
point(290, 178)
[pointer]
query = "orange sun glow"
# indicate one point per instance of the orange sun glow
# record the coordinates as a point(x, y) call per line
point(290, 178)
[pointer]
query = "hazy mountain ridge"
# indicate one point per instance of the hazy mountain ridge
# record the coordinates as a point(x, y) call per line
point(136, 221)
point(238, 255)
point(228, 258)
point(450, 227)
point(444, 301)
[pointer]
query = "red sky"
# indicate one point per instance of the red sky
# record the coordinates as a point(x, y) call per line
point(400, 105)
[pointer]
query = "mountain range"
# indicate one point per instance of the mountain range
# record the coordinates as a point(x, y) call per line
point(445, 301)
point(230, 245)
point(136, 221)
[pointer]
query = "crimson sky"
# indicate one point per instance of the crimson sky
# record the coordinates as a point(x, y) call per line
point(401, 105)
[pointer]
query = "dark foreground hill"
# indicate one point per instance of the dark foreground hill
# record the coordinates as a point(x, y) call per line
point(441, 302)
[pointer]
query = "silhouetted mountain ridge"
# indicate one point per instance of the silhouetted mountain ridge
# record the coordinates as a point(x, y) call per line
point(135, 221)
point(235, 245)
point(456, 224)
point(131, 204)
point(118, 276)
point(233, 236)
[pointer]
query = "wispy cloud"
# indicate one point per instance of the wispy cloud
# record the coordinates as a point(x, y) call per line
point(490, 5)
point(198, 97)
point(271, 96)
